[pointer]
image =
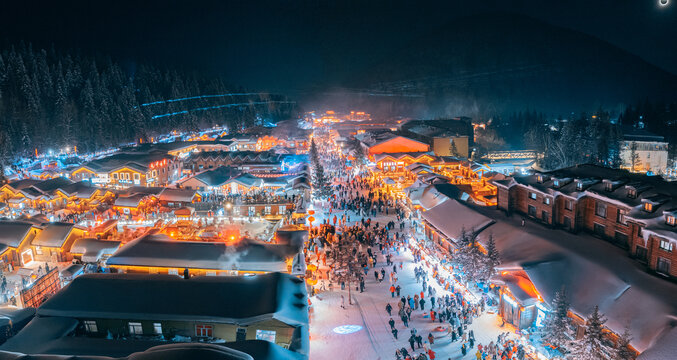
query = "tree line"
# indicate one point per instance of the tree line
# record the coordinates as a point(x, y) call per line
point(585, 137)
point(52, 100)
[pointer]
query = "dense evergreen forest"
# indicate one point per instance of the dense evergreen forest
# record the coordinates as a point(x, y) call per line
point(586, 138)
point(51, 100)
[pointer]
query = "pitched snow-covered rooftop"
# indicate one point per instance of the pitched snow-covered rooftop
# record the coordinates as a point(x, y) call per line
point(160, 250)
point(238, 300)
point(593, 272)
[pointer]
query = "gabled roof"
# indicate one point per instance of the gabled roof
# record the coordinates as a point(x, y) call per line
point(53, 235)
point(48, 186)
point(463, 218)
point(246, 180)
point(216, 177)
point(92, 248)
point(81, 189)
point(13, 232)
point(177, 195)
point(21, 184)
point(160, 250)
point(132, 201)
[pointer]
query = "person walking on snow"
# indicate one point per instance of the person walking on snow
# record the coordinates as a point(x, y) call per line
point(391, 322)
point(389, 309)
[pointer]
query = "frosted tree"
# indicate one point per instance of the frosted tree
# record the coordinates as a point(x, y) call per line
point(593, 345)
point(556, 328)
point(471, 257)
point(492, 258)
point(623, 351)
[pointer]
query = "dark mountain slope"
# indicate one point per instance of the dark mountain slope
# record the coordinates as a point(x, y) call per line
point(500, 62)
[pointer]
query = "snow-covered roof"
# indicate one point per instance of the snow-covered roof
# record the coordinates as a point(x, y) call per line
point(13, 316)
point(240, 300)
point(59, 346)
point(451, 216)
point(593, 272)
point(177, 195)
point(12, 232)
point(92, 249)
point(132, 201)
point(160, 250)
point(53, 235)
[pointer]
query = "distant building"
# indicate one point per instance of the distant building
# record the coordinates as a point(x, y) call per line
point(651, 151)
point(388, 142)
point(450, 137)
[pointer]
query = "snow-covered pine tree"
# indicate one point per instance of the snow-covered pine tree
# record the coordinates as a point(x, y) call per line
point(556, 328)
point(623, 351)
point(470, 257)
point(593, 345)
point(493, 257)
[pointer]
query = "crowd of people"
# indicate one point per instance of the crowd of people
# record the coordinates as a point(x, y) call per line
point(374, 246)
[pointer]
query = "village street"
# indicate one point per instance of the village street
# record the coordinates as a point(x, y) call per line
point(361, 330)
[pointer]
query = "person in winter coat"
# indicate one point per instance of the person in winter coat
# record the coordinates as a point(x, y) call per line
point(397, 289)
point(431, 354)
point(405, 320)
point(431, 338)
point(394, 331)
point(463, 350)
point(392, 291)
point(419, 341)
point(422, 303)
point(412, 342)
point(392, 323)
point(389, 309)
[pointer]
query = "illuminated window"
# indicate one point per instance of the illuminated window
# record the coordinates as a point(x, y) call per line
point(204, 330)
point(648, 207)
point(173, 271)
point(532, 195)
point(632, 193)
point(90, 326)
point(283, 209)
point(268, 335)
point(115, 176)
point(267, 210)
point(157, 328)
point(38, 250)
point(546, 200)
point(666, 245)
point(670, 220)
point(135, 328)
point(620, 216)
point(137, 176)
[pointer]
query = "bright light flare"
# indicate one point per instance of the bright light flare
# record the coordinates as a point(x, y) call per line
point(347, 329)
point(663, 2)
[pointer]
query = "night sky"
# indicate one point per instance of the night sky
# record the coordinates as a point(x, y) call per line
point(295, 45)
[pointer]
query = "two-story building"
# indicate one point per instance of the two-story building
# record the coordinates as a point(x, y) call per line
point(615, 205)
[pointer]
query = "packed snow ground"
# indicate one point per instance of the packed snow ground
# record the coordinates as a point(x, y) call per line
point(374, 340)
